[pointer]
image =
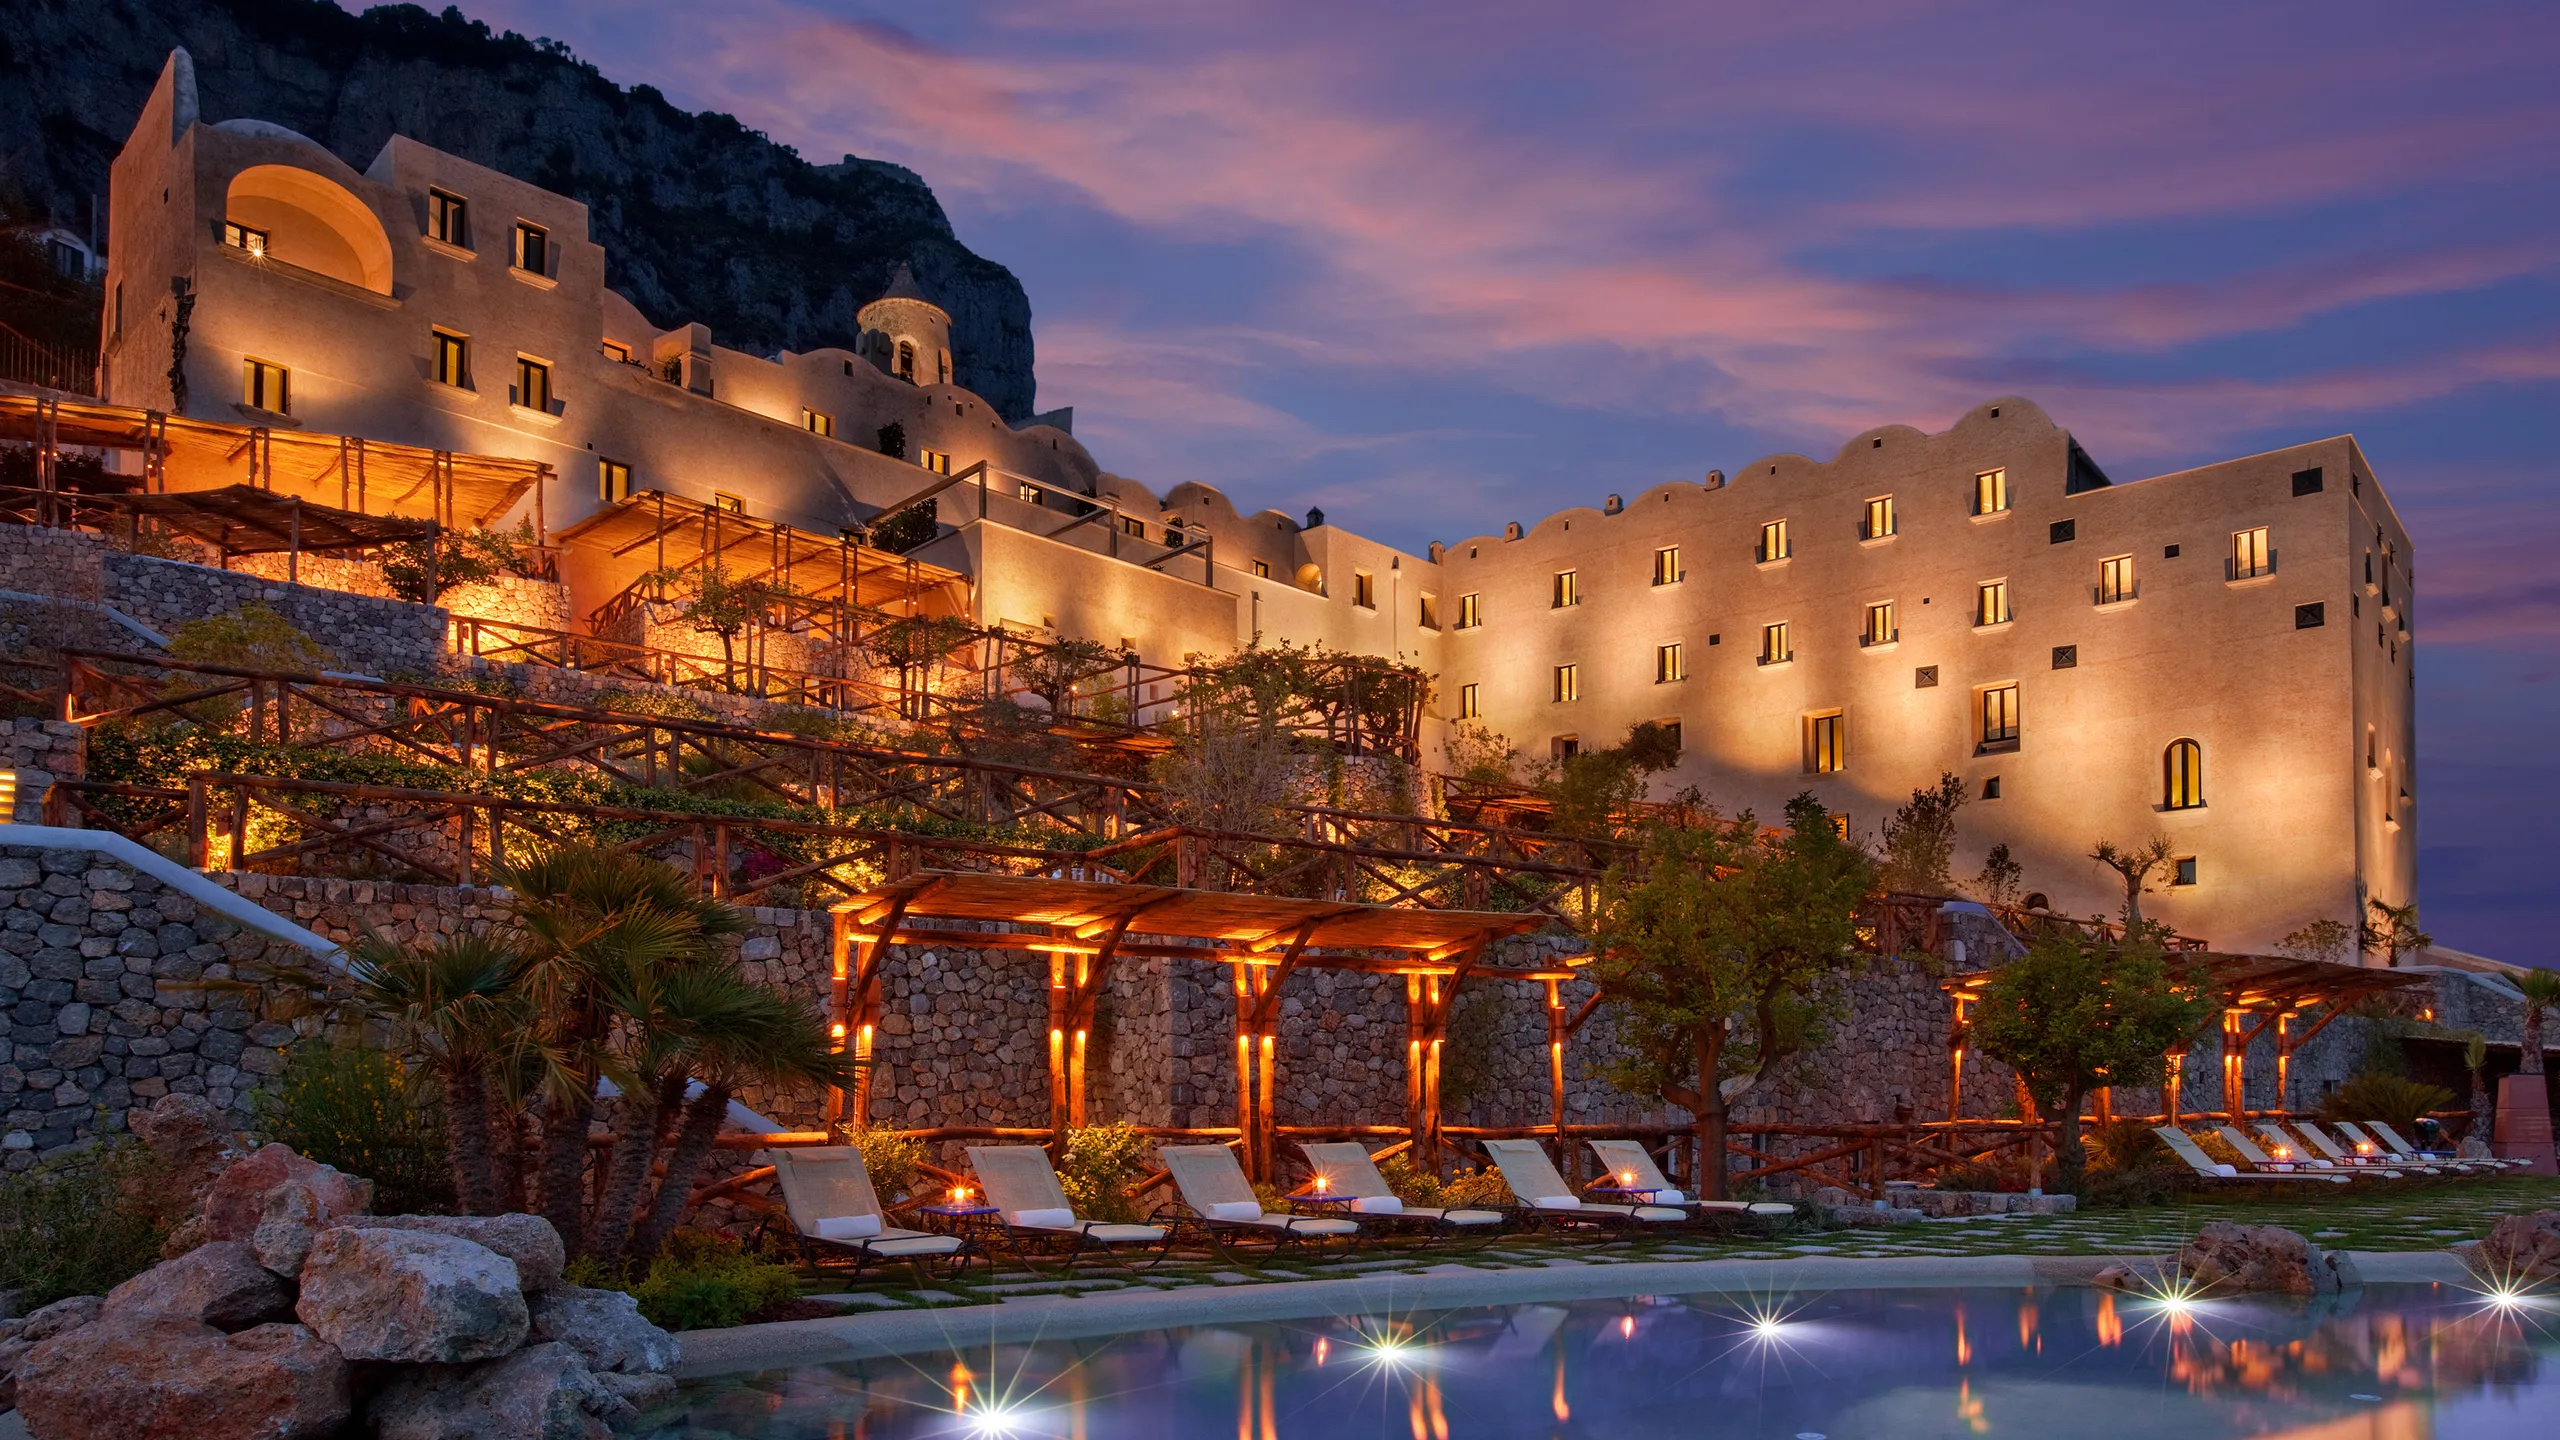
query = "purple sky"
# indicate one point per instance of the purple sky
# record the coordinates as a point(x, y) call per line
point(1436, 268)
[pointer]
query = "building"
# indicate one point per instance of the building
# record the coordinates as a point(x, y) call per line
point(2220, 657)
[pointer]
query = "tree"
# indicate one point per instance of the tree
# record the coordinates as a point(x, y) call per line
point(2077, 1012)
point(1920, 839)
point(1719, 947)
point(893, 440)
point(2135, 867)
point(715, 603)
point(2323, 939)
point(2541, 991)
point(422, 571)
point(2000, 877)
point(2475, 1059)
point(449, 1003)
point(2393, 930)
point(664, 1014)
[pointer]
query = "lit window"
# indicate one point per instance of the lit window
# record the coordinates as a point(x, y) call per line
point(533, 384)
point(1470, 611)
point(1990, 492)
point(2000, 717)
point(1880, 627)
point(532, 249)
point(1262, 568)
point(448, 218)
point(1568, 683)
point(1031, 494)
point(1825, 738)
point(243, 237)
point(1430, 616)
point(2182, 776)
point(1666, 566)
point(1568, 589)
point(1774, 544)
point(723, 500)
point(817, 422)
point(452, 360)
point(1991, 603)
point(2250, 556)
point(1877, 523)
point(1668, 665)
point(618, 353)
point(1364, 590)
point(1467, 706)
point(613, 480)
point(2115, 580)
point(907, 361)
point(266, 387)
point(1774, 648)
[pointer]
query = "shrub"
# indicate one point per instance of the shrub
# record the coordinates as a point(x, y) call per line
point(895, 1160)
point(1100, 1164)
point(356, 1108)
point(79, 1227)
point(2395, 1100)
point(252, 637)
point(700, 1281)
point(1465, 1187)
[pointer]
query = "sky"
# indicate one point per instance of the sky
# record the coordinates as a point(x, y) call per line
point(1437, 267)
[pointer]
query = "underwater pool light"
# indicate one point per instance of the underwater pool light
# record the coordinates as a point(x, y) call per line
point(995, 1421)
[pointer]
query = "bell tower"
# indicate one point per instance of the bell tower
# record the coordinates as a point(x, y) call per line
point(906, 335)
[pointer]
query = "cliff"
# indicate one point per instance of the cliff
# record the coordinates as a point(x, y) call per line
point(703, 219)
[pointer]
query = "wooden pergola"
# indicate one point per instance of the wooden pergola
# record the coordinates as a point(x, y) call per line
point(2258, 993)
point(245, 520)
point(830, 577)
point(1082, 925)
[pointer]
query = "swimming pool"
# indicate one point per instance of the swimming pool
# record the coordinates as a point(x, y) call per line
point(2391, 1362)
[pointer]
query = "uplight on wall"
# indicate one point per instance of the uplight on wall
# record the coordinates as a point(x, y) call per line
point(8, 797)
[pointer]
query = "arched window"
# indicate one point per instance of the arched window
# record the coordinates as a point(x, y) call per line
point(906, 360)
point(309, 221)
point(2182, 775)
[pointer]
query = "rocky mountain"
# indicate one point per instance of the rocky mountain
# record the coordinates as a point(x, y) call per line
point(702, 218)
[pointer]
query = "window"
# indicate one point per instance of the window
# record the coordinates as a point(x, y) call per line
point(1565, 747)
point(1991, 492)
point(1031, 494)
point(1999, 719)
point(943, 366)
point(533, 384)
point(2066, 657)
point(2306, 482)
point(906, 361)
point(2311, 616)
point(451, 363)
point(1468, 708)
point(532, 249)
point(939, 462)
point(817, 422)
point(1129, 524)
point(2062, 532)
point(1824, 742)
point(1262, 568)
point(1429, 612)
point(2115, 580)
point(1568, 589)
point(1666, 566)
point(1991, 603)
point(1470, 611)
point(618, 353)
point(1667, 664)
point(1991, 787)
point(1670, 731)
point(1774, 544)
point(242, 237)
point(1925, 678)
point(448, 219)
point(1364, 590)
point(613, 480)
point(2182, 776)
point(1568, 683)
point(2250, 557)
point(723, 500)
point(2168, 552)
point(1880, 627)
point(1774, 649)
point(1877, 523)
point(266, 387)
point(2182, 870)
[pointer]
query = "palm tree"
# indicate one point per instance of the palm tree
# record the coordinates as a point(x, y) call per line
point(2475, 1058)
point(665, 1015)
point(2541, 992)
point(449, 1002)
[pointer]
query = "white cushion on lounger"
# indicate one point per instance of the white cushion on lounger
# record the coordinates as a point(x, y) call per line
point(1236, 1210)
point(848, 1227)
point(2226, 1170)
point(1045, 1219)
point(915, 1245)
point(1555, 1202)
point(1668, 1197)
point(1125, 1234)
point(1378, 1205)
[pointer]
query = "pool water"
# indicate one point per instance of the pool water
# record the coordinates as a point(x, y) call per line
point(2391, 1362)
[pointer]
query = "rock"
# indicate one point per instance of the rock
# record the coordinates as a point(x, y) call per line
point(604, 1327)
point(221, 1285)
point(2521, 1249)
point(12, 1351)
point(62, 1315)
point(236, 1202)
point(641, 1392)
point(189, 1234)
point(2114, 1277)
point(148, 1378)
point(541, 1392)
point(2225, 1256)
point(528, 1240)
point(411, 1295)
point(288, 1223)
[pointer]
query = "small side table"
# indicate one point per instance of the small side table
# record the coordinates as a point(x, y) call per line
point(1321, 1204)
point(957, 1219)
point(1621, 1194)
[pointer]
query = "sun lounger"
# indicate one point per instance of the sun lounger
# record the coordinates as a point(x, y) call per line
point(2321, 1144)
point(2289, 1147)
point(1632, 1167)
point(2383, 1132)
point(2183, 1145)
point(1036, 1217)
point(1223, 1204)
point(2266, 1164)
point(1546, 1199)
point(1346, 1169)
point(827, 1193)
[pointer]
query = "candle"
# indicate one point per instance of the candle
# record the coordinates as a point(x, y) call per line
point(1319, 1184)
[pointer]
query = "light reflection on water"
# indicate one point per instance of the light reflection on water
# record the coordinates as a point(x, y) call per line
point(2404, 1362)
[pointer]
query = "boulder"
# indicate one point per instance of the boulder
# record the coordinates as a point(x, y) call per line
point(288, 1223)
point(12, 1351)
point(158, 1378)
point(411, 1295)
point(541, 1392)
point(2225, 1256)
point(2521, 1249)
point(643, 1393)
point(221, 1285)
point(236, 1202)
point(47, 1321)
point(528, 1240)
point(604, 1327)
